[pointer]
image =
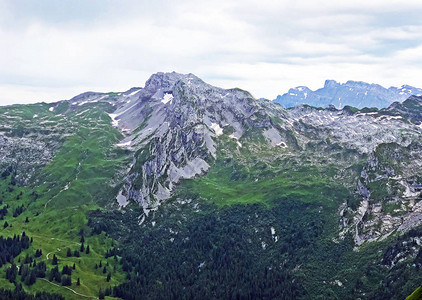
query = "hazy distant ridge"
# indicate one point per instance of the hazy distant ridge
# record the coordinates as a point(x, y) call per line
point(354, 93)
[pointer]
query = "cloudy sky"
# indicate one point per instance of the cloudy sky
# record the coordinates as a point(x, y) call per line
point(52, 50)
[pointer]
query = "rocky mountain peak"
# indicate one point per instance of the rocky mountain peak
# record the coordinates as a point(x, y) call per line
point(330, 83)
point(178, 118)
point(167, 81)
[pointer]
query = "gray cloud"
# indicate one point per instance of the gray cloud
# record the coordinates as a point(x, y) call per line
point(55, 49)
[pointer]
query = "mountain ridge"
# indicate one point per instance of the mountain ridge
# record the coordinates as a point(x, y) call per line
point(354, 93)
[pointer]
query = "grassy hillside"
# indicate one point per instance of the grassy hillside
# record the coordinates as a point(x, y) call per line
point(77, 180)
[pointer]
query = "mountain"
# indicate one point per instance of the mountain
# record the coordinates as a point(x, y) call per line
point(186, 190)
point(353, 93)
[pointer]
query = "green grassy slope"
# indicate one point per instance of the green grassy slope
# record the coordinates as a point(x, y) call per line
point(77, 180)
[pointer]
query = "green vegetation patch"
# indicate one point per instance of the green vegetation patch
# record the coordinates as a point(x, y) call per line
point(230, 183)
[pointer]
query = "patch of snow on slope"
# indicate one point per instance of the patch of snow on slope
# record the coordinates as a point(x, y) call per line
point(133, 93)
point(84, 102)
point(126, 144)
point(167, 98)
point(388, 118)
point(217, 129)
point(82, 112)
point(282, 145)
point(51, 108)
point(366, 114)
point(114, 122)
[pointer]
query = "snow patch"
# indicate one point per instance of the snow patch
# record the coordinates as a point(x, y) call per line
point(82, 112)
point(282, 145)
point(114, 122)
point(366, 114)
point(167, 98)
point(263, 245)
point(133, 93)
point(35, 116)
point(388, 118)
point(217, 129)
point(84, 102)
point(124, 144)
point(113, 117)
point(338, 282)
point(51, 108)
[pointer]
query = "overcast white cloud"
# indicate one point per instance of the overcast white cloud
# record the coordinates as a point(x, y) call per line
point(52, 50)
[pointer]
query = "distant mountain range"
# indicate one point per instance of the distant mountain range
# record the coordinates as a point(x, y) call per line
point(353, 93)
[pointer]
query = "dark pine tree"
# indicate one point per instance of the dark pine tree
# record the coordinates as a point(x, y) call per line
point(66, 280)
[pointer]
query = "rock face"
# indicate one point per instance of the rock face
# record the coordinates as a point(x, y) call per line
point(27, 143)
point(177, 125)
point(411, 108)
point(353, 93)
point(391, 172)
point(172, 125)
